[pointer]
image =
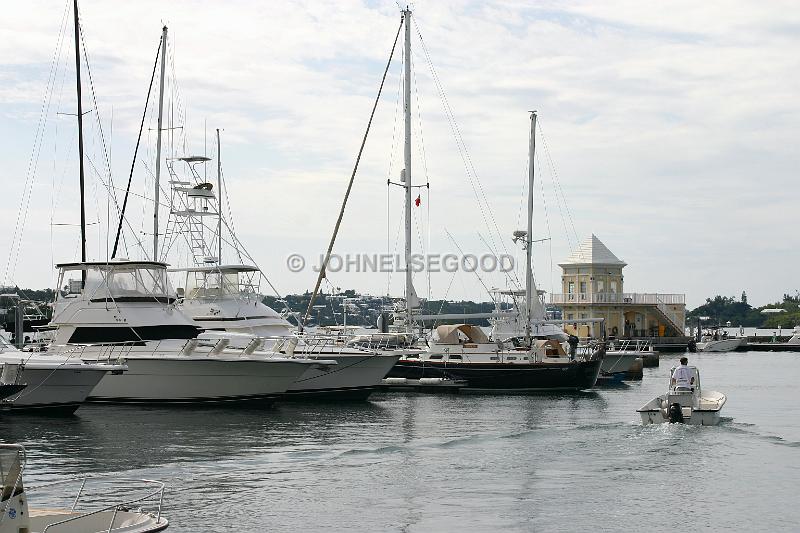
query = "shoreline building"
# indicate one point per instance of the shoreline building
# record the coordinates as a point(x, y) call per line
point(592, 287)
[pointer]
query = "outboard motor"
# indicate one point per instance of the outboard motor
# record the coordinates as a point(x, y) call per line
point(675, 414)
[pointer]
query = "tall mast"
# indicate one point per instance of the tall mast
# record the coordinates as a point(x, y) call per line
point(529, 237)
point(158, 141)
point(219, 201)
point(407, 170)
point(80, 137)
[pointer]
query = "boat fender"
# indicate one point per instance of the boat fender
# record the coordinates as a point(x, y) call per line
point(675, 414)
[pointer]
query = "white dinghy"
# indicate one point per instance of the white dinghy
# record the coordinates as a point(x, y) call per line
point(117, 505)
point(684, 404)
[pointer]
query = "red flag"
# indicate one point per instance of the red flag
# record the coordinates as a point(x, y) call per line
point(418, 201)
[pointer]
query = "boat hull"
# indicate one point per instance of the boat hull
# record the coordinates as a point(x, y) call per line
point(505, 377)
point(199, 380)
point(724, 345)
point(619, 362)
point(699, 410)
point(697, 418)
point(55, 388)
point(354, 377)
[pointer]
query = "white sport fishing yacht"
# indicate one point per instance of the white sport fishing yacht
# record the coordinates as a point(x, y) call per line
point(89, 504)
point(226, 298)
point(125, 310)
point(687, 404)
point(225, 306)
point(49, 383)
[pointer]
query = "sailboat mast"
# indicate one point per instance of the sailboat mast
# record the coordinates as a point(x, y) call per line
point(407, 170)
point(80, 137)
point(219, 201)
point(158, 141)
point(529, 237)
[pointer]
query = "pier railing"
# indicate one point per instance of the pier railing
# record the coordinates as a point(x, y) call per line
point(622, 298)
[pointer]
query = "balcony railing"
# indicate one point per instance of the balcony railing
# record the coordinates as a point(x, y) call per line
point(623, 298)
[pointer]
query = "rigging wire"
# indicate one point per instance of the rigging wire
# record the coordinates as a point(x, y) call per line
point(559, 189)
point(33, 161)
point(477, 188)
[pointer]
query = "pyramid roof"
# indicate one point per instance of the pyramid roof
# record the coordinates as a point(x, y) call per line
point(592, 251)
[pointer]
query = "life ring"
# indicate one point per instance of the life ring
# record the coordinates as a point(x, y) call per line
point(614, 331)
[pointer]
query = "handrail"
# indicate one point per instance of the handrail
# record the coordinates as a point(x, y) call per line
point(159, 491)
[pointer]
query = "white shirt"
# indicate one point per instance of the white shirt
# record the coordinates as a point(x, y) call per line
point(683, 376)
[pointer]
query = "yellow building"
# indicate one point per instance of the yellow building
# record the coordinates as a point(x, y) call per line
point(592, 287)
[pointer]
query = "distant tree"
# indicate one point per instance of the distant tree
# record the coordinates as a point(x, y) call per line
point(723, 309)
point(744, 297)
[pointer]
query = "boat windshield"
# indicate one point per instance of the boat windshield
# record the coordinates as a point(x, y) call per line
point(11, 462)
point(213, 284)
point(119, 282)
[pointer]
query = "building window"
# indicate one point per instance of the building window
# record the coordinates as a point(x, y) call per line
point(614, 287)
point(570, 316)
point(601, 286)
point(583, 287)
point(571, 287)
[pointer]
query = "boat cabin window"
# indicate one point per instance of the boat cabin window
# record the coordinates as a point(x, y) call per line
point(455, 356)
point(436, 356)
point(511, 358)
point(494, 358)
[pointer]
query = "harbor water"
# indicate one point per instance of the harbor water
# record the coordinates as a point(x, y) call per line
point(413, 462)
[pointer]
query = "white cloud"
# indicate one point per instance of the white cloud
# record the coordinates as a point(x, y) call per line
point(671, 126)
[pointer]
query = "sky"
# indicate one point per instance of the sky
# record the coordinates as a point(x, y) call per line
point(667, 130)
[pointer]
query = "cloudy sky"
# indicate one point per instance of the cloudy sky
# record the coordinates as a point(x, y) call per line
point(670, 128)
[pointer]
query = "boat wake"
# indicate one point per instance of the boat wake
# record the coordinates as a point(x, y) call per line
point(745, 428)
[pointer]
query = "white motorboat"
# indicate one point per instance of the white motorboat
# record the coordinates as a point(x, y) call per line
point(684, 404)
point(54, 383)
point(717, 340)
point(722, 345)
point(126, 310)
point(90, 504)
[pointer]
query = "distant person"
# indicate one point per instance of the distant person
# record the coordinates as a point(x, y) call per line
point(683, 376)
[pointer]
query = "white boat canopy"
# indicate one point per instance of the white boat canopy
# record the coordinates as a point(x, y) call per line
point(448, 334)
